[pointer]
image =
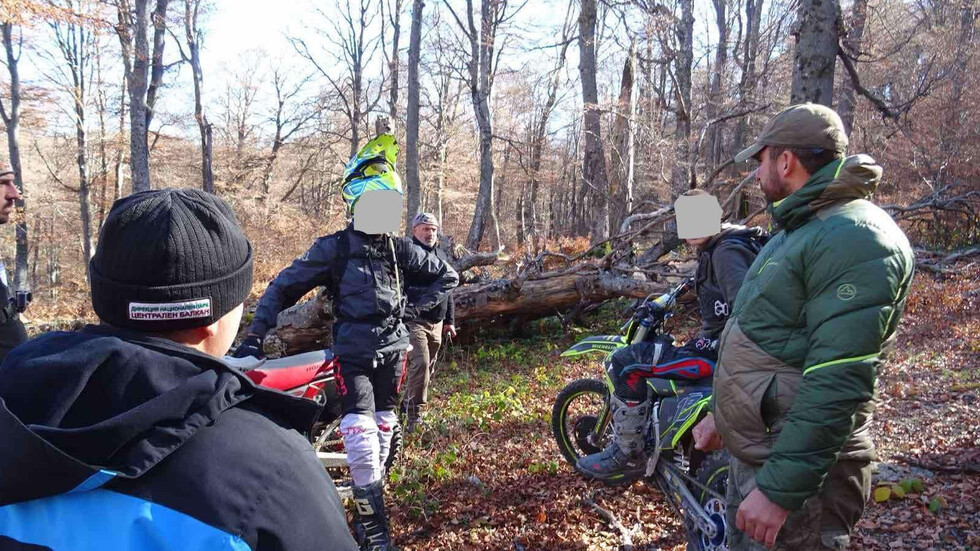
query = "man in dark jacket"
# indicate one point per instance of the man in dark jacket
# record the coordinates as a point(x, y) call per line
point(795, 383)
point(425, 327)
point(365, 272)
point(724, 255)
point(12, 331)
point(132, 434)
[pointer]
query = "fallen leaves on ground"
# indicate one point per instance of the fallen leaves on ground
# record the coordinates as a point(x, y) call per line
point(485, 473)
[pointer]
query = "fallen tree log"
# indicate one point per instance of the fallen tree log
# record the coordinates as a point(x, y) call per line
point(306, 326)
point(537, 298)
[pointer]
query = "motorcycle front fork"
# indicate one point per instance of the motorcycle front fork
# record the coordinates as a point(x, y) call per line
point(671, 480)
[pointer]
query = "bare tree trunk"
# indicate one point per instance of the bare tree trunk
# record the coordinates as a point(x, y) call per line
point(594, 160)
point(191, 9)
point(715, 95)
point(852, 46)
point(817, 30)
point(747, 85)
point(393, 61)
point(75, 44)
point(120, 153)
point(680, 179)
point(144, 75)
point(11, 120)
point(620, 182)
point(412, 122)
point(101, 103)
point(951, 138)
point(480, 68)
point(529, 205)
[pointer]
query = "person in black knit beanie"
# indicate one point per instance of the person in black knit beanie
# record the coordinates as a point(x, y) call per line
point(138, 423)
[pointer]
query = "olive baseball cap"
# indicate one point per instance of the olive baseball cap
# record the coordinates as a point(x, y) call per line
point(807, 125)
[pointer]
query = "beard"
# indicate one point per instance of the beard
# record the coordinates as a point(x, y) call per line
point(773, 187)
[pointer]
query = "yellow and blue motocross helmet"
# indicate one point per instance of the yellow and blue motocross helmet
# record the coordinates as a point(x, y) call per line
point(373, 168)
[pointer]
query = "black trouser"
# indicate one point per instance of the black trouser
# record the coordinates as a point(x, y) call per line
point(630, 367)
point(12, 334)
point(368, 385)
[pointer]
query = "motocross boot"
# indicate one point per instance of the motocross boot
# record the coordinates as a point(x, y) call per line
point(371, 519)
point(623, 460)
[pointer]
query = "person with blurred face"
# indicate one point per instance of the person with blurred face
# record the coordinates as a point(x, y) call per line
point(12, 331)
point(724, 254)
point(367, 272)
point(426, 327)
point(795, 381)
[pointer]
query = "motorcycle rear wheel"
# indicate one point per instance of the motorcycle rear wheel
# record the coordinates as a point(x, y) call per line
point(576, 411)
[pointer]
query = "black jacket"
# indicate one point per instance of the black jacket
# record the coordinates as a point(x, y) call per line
point(369, 295)
point(445, 311)
point(12, 332)
point(722, 265)
point(117, 440)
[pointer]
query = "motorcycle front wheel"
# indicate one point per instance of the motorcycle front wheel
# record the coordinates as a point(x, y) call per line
point(712, 474)
point(578, 408)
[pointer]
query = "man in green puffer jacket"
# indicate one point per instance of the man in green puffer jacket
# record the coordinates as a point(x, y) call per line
point(794, 383)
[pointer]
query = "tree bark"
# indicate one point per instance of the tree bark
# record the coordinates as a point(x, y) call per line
point(817, 31)
point(138, 77)
point(594, 178)
point(144, 75)
point(715, 92)
point(681, 172)
point(11, 120)
point(747, 84)
point(480, 70)
point(191, 9)
point(621, 180)
point(306, 326)
point(529, 204)
point(393, 64)
point(852, 46)
point(75, 45)
point(412, 183)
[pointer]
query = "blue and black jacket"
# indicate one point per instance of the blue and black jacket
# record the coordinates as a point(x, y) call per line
point(114, 440)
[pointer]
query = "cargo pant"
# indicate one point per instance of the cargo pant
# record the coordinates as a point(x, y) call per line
point(824, 522)
point(426, 338)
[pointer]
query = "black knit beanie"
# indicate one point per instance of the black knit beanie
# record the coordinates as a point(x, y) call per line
point(169, 259)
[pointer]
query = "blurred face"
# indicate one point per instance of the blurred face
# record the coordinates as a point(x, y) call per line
point(8, 194)
point(771, 175)
point(426, 233)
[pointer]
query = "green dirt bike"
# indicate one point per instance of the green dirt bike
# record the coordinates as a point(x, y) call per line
point(693, 482)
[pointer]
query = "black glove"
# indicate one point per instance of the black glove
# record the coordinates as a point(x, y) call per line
point(251, 346)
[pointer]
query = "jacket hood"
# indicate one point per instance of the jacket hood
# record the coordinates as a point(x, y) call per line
point(112, 401)
point(851, 178)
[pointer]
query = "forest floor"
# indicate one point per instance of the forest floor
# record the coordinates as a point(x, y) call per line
point(485, 473)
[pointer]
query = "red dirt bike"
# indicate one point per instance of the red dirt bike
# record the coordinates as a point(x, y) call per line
point(313, 375)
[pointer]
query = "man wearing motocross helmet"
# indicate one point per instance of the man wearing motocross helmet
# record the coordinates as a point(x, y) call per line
point(365, 270)
point(725, 252)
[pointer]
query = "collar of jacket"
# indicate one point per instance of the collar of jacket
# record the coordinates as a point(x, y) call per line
point(421, 244)
point(851, 178)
